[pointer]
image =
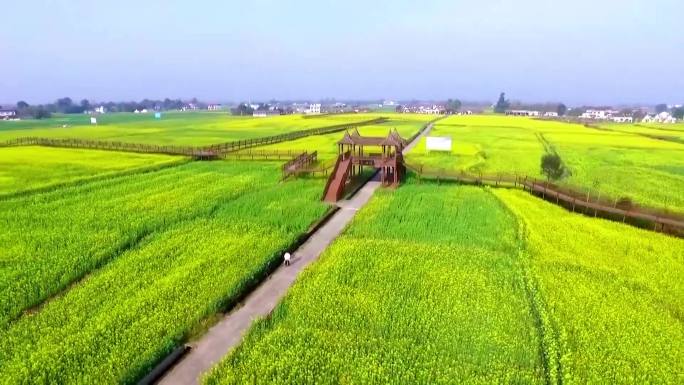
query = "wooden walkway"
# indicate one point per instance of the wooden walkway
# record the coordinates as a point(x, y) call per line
point(298, 163)
point(213, 151)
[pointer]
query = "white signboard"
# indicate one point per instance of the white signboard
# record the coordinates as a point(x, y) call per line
point(93, 120)
point(438, 143)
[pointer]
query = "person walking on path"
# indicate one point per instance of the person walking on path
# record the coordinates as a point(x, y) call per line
point(287, 258)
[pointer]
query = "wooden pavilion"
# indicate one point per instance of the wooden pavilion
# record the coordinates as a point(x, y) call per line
point(353, 156)
point(389, 160)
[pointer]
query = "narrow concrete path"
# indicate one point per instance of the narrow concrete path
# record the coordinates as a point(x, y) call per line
point(413, 144)
point(226, 334)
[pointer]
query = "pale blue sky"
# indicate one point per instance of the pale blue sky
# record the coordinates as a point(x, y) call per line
point(580, 51)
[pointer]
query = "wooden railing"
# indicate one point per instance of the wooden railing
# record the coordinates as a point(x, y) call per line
point(299, 162)
point(252, 154)
point(263, 141)
point(109, 145)
point(577, 201)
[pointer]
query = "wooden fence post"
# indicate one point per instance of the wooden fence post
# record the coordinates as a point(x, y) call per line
point(557, 196)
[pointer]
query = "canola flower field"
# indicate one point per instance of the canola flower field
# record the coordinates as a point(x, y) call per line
point(613, 294)
point(326, 145)
point(144, 262)
point(456, 284)
point(612, 164)
point(669, 132)
point(174, 128)
point(30, 168)
point(422, 288)
point(110, 260)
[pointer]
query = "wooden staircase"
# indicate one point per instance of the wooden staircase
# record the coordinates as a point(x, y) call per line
point(334, 188)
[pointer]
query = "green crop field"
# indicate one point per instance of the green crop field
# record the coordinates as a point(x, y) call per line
point(58, 237)
point(32, 167)
point(111, 260)
point(613, 294)
point(157, 254)
point(424, 287)
point(614, 164)
point(178, 128)
point(326, 145)
point(445, 284)
point(671, 132)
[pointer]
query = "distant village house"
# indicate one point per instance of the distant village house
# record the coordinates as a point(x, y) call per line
point(663, 117)
point(190, 107)
point(314, 109)
point(623, 119)
point(598, 114)
point(8, 114)
point(522, 113)
point(265, 113)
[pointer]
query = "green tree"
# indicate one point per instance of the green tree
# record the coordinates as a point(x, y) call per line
point(562, 109)
point(678, 112)
point(41, 113)
point(242, 109)
point(660, 108)
point(22, 105)
point(64, 104)
point(453, 105)
point(552, 166)
point(502, 104)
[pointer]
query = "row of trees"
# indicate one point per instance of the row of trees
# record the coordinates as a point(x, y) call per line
point(68, 106)
point(451, 106)
point(503, 104)
point(244, 109)
point(677, 112)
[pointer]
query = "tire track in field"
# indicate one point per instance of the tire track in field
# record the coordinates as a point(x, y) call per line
point(550, 351)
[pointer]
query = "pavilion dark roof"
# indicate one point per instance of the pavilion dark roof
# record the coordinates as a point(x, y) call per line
point(346, 139)
point(392, 139)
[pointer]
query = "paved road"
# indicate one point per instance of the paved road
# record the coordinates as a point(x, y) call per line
point(225, 335)
point(413, 144)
